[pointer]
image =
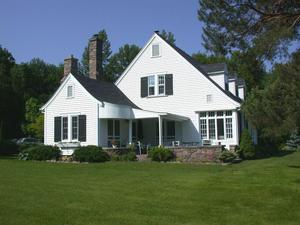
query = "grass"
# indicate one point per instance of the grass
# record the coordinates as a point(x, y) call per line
point(253, 192)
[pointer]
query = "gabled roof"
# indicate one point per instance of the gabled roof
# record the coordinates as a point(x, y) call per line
point(199, 67)
point(104, 91)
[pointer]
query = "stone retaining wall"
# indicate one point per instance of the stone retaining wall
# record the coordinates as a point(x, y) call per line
point(197, 154)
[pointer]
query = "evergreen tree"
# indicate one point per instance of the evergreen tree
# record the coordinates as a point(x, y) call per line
point(168, 36)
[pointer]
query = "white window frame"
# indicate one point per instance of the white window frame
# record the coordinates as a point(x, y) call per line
point(161, 85)
point(159, 50)
point(72, 138)
point(228, 120)
point(151, 85)
point(72, 88)
point(209, 98)
point(62, 128)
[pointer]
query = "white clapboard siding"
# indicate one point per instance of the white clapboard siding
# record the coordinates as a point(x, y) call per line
point(81, 104)
point(190, 87)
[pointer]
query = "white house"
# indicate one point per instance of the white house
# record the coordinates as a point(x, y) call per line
point(163, 97)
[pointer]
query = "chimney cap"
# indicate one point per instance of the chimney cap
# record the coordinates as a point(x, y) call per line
point(70, 57)
point(94, 37)
point(156, 31)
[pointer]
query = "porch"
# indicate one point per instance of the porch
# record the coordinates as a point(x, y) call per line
point(159, 129)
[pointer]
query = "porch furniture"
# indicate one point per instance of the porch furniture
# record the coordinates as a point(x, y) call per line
point(175, 143)
point(206, 142)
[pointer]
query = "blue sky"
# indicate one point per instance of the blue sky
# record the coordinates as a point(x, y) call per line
point(52, 30)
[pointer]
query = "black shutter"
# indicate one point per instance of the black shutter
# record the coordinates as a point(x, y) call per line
point(57, 129)
point(140, 130)
point(169, 84)
point(82, 128)
point(144, 87)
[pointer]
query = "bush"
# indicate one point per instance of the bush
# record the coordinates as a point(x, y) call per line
point(293, 143)
point(161, 154)
point(247, 149)
point(40, 152)
point(129, 156)
point(227, 156)
point(8, 148)
point(90, 154)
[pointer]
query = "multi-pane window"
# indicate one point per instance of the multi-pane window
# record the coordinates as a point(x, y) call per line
point(65, 128)
point(70, 91)
point(155, 50)
point(228, 127)
point(211, 114)
point(203, 128)
point(74, 127)
point(161, 84)
point(211, 129)
point(151, 85)
point(216, 125)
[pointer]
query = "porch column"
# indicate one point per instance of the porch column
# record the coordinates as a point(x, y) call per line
point(130, 132)
point(160, 132)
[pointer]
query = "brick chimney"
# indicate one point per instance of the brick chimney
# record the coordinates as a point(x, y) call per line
point(95, 57)
point(70, 66)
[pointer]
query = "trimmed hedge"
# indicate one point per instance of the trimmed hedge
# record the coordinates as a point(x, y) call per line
point(40, 152)
point(8, 148)
point(90, 153)
point(161, 154)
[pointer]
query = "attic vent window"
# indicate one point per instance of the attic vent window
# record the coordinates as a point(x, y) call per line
point(208, 98)
point(155, 50)
point(70, 91)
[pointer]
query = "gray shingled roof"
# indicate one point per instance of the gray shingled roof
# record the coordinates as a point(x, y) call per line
point(198, 66)
point(105, 91)
point(215, 67)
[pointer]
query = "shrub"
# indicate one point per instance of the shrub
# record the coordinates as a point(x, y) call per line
point(90, 153)
point(129, 156)
point(40, 152)
point(227, 156)
point(161, 154)
point(8, 147)
point(293, 143)
point(247, 149)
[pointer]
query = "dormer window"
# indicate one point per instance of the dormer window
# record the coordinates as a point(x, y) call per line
point(70, 91)
point(155, 50)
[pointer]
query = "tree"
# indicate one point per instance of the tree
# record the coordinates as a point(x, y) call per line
point(275, 108)
point(168, 36)
point(245, 65)
point(265, 26)
point(120, 60)
point(106, 53)
point(247, 148)
point(7, 96)
point(208, 59)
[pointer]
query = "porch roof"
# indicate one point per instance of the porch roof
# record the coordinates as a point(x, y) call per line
point(144, 114)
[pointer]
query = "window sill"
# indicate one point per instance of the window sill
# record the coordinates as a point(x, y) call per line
point(158, 56)
point(157, 96)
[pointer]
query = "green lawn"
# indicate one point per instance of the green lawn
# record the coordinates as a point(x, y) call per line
point(253, 192)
